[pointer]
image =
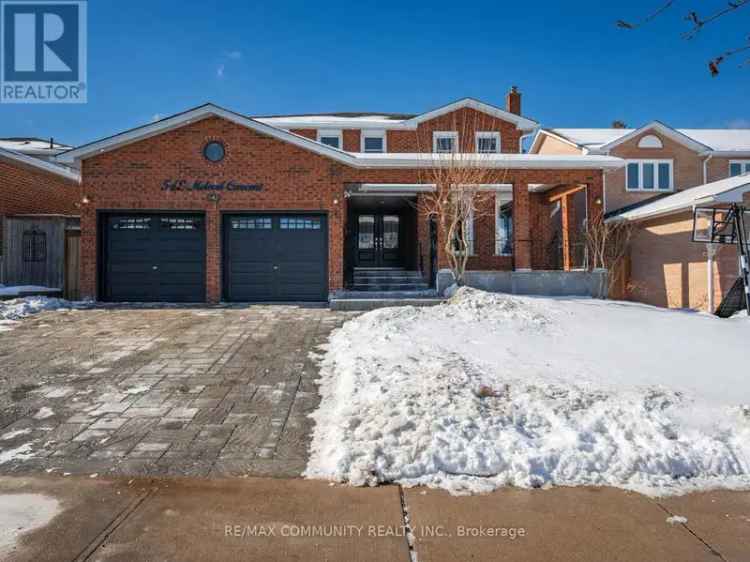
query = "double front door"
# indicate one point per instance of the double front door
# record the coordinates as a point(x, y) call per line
point(379, 240)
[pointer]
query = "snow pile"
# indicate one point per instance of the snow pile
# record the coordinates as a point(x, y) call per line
point(492, 390)
point(13, 310)
point(16, 290)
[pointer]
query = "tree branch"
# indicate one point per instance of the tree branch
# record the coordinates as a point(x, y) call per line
point(627, 25)
point(713, 65)
point(699, 23)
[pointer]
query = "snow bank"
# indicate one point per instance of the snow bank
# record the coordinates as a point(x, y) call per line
point(13, 310)
point(493, 390)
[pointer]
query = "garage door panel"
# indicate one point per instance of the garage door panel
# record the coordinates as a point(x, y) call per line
point(279, 257)
point(155, 257)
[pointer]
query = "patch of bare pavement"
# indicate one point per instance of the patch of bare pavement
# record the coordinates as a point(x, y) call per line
point(161, 391)
point(96, 519)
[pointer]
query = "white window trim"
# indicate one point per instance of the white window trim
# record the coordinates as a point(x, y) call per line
point(656, 163)
point(501, 198)
point(371, 133)
point(445, 134)
point(745, 166)
point(332, 133)
point(487, 135)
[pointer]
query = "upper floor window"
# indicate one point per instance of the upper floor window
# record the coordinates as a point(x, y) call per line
point(445, 141)
point(650, 175)
point(373, 141)
point(739, 167)
point(331, 137)
point(488, 142)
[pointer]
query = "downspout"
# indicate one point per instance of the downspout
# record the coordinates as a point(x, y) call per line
point(705, 167)
point(710, 251)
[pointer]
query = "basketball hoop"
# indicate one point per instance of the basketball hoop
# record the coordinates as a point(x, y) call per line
point(728, 226)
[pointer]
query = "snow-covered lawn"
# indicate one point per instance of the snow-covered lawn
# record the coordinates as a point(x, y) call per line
point(494, 390)
point(12, 311)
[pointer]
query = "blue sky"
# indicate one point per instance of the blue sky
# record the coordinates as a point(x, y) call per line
point(574, 67)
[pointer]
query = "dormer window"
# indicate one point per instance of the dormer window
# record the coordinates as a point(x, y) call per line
point(488, 142)
point(373, 141)
point(445, 141)
point(331, 137)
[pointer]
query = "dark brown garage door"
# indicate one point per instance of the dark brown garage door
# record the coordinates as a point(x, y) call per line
point(275, 257)
point(154, 258)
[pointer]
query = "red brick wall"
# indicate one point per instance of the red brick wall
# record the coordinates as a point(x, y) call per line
point(293, 178)
point(466, 122)
point(25, 190)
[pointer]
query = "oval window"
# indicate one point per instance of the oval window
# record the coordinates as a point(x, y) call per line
point(214, 151)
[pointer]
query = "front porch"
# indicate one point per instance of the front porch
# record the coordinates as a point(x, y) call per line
point(393, 247)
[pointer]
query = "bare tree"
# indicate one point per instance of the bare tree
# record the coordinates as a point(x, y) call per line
point(462, 195)
point(608, 244)
point(697, 23)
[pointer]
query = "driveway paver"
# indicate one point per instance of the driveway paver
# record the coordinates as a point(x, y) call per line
point(161, 391)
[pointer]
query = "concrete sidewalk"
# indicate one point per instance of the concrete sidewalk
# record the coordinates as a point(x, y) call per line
point(61, 519)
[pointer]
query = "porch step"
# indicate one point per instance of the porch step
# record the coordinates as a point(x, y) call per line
point(389, 285)
point(358, 301)
point(405, 275)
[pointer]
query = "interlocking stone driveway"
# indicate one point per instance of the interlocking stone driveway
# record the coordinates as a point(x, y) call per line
point(161, 391)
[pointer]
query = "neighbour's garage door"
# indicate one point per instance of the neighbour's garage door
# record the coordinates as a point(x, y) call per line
point(154, 258)
point(275, 257)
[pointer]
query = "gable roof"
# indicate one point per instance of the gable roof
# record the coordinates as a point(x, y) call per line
point(661, 128)
point(39, 164)
point(392, 120)
point(190, 116)
point(521, 122)
point(730, 190)
point(728, 142)
point(357, 160)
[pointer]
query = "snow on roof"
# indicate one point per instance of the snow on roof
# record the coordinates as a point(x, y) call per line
point(721, 140)
point(32, 146)
point(509, 161)
point(392, 120)
point(592, 138)
point(332, 120)
point(723, 191)
point(357, 160)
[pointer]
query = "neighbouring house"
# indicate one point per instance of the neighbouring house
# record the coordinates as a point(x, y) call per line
point(211, 205)
point(666, 266)
point(38, 222)
point(668, 172)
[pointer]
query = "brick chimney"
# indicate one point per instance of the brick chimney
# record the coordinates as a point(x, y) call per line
point(513, 101)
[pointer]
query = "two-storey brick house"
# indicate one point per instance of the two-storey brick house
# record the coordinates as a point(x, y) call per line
point(665, 268)
point(213, 205)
